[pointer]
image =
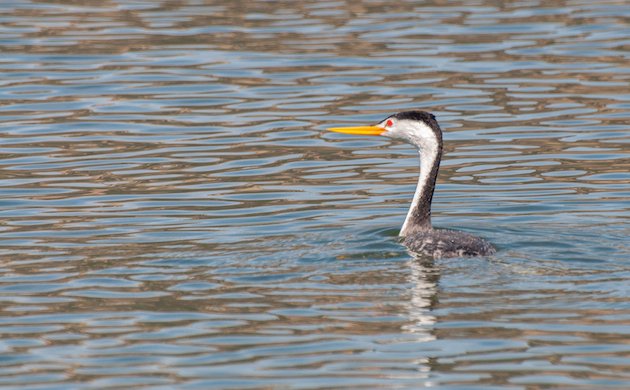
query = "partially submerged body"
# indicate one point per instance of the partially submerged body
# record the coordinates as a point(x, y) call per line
point(439, 243)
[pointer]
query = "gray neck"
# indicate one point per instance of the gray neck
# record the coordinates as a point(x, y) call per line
point(419, 215)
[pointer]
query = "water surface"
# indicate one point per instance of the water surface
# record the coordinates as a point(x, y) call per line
point(174, 214)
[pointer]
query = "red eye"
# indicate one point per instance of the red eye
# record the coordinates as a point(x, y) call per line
point(389, 123)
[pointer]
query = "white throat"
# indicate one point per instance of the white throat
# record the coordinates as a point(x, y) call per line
point(426, 163)
point(429, 149)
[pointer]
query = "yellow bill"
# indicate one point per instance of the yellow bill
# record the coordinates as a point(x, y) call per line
point(360, 130)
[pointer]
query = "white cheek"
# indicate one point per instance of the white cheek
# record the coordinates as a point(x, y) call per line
point(399, 134)
point(425, 137)
point(416, 133)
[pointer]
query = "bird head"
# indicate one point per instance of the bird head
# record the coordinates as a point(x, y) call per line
point(418, 128)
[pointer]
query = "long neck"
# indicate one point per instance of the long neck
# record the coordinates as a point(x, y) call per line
point(419, 215)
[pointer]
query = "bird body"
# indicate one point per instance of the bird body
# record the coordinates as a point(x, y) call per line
point(422, 130)
point(443, 243)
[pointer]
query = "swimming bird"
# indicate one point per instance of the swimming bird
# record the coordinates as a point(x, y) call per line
point(421, 129)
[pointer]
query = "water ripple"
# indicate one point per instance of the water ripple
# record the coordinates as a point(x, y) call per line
point(174, 215)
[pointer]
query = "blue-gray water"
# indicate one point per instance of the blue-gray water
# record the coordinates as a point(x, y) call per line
point(173, 213)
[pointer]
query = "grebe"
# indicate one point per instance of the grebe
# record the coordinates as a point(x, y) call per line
point(421, 129)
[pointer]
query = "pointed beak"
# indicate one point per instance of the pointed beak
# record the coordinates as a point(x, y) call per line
point(359, 130)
